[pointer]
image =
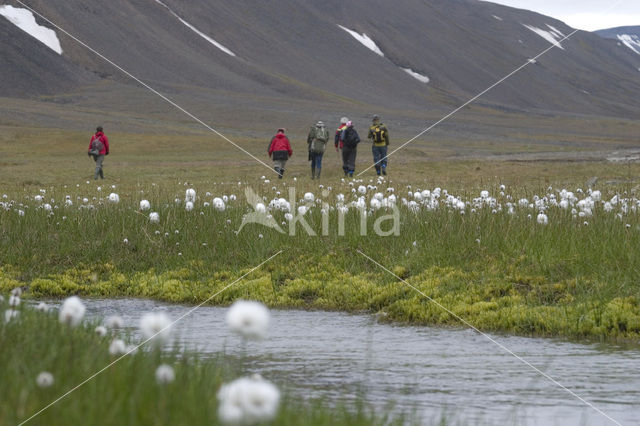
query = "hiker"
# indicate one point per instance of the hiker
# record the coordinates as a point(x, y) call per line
point(338, 141)
point(280, 151)
point(98, 148)
point(317, 141)
point(379, 136)
point(350, 141)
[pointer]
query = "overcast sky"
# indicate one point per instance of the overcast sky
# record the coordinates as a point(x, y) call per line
point(584, 14)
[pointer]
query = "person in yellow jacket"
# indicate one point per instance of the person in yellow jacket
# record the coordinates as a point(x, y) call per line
point(379, 137)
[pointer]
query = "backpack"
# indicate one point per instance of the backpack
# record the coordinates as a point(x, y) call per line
point(96, 146)
point(319, 139)
point(379, 134)
point(350, 137)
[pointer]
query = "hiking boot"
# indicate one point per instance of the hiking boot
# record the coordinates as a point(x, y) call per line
point(101, 174)
point(281, 173)
point(384, 172)
point(313, 174)
point(318, 174)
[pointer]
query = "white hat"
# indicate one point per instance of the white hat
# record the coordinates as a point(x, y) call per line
point(344, 120)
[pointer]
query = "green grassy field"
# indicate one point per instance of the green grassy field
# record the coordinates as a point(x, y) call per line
point(499, 271)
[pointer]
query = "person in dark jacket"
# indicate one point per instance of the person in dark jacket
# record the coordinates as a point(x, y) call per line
point(98, 148)
point(350, 140)
point(280, 151)
point(338, 140)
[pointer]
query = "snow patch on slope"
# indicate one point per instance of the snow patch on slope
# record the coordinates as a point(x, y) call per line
point(197, 31)
point(24, 19)
point(497, 17)
point(365, 40)
point(551, 36)
point(421, 78)
point(631, 41)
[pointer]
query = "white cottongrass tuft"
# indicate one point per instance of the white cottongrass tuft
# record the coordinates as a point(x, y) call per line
point(145, 205)
point(218, 204)
point(249, 319)
point(542, 219)
point(309, 197)
point(44, 379)
point(14, 301)
point(156, 325)
point(72, 311)
point(117, 347)
point(154, 217)
point(248, 400)
point(188, 206)
point(165, 374)
point(10, 314)
point(114, 321)
point(114, 198)
point(190, 195)
point(101, 330)
point(42, 307)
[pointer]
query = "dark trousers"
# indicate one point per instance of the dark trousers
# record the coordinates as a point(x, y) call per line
point(316, 159)
point(380, 157)
point(349, 159)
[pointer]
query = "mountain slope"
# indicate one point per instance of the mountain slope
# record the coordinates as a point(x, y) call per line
point(628, 36)
point(293, 49)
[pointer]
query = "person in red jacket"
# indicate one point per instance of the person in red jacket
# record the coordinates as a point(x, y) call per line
point(280, 151)
point(98, 148)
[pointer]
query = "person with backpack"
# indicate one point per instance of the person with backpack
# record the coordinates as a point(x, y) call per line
point(280, 151)
point(339, 143)
point(98, 148)
point(317, 141)
point(350, 139)
point(379, 136)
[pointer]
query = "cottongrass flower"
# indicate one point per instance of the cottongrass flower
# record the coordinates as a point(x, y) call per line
point(113, 322)
point(302, 210)
point(190, 195)
point(44, 379)
point(72, 311)
point(10, 314)
point(156, 326)
point(14, 301)
point(165, 374)
point(248, 400)
point(188, 206)
point(145, 205)
point(542, 219)
point(101, 330)
point(117, 347)
point(114, 198)
point(42, 307)
point(47, 207)
point(154, 217)
point(218, 204)
point(249, 319)
point(309, 197)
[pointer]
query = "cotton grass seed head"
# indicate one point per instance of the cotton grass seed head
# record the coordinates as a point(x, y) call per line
point(11, 314)
point(165, 374)
point(249, 319)
point(72, 311)
point(113, 322)
point(42, 307)
point(101, 330)
point(248, 400)
point(154, 217)
point(117, 347)
point(156, 326)
point(114, 198)
point(44, 379)
point(145, 205)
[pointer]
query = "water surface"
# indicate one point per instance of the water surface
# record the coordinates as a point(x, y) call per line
point(421, 370)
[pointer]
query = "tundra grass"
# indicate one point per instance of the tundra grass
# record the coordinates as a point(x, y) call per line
point(127, 392)
point(575, 277)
